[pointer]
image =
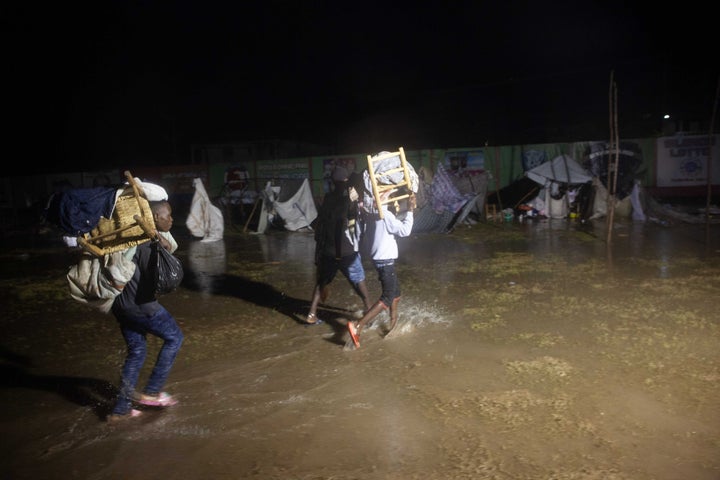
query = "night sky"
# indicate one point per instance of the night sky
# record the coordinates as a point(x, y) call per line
point(118, 83)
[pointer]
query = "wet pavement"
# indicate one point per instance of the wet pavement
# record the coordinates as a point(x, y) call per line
point(523, 351)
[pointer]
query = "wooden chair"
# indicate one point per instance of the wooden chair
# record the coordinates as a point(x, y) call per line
point(380, 188)
point(131, 223)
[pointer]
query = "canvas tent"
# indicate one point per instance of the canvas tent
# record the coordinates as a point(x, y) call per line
point(289, 203)
point(205, 220)
point(448, 199)
point(549, 187)
point(561, 170)
point(561, 180)
point(511, 196)
point(599, 156)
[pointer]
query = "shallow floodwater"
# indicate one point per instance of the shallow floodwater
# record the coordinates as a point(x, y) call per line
point(523, 351)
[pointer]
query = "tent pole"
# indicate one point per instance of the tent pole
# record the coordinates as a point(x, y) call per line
point(251, 214)
point(497, 178)
point(567, 189)
point(533, 190)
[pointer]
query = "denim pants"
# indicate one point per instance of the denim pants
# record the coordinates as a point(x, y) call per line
point(134, 331)
point(388, 281)
point(350, 266)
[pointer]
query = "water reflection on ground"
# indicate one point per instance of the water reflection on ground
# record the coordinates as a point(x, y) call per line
point(650, 244)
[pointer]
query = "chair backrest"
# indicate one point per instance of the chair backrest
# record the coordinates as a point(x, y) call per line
point(131, 223)
point(388, 171)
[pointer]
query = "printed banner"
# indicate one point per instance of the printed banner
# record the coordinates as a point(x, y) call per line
point(465, 160)
point(682, 160)
point(274, 169)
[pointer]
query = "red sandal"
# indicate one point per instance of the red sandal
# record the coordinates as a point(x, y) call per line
point(353, 333)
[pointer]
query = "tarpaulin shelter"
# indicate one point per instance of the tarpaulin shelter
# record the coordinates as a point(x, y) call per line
point(448, 200)
point(599, 156)
point(560, 170)
point(521, 190)
point(204, 220)
point(561, 179)
point(290, 203)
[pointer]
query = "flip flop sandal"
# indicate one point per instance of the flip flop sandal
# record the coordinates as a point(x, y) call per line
point(119, 417)
point(162, 399)
point(353, 334)
point(310, 322)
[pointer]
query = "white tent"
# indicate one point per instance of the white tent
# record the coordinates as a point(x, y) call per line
point(561, 170)
point(292, 201)
point(205, 220)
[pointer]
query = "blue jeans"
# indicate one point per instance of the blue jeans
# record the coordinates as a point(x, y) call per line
point(350, 266)
point(134, 331)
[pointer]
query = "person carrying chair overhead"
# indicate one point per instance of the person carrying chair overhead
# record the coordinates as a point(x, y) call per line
point(384, 224)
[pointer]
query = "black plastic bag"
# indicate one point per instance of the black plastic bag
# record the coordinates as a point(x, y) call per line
point(169, 271)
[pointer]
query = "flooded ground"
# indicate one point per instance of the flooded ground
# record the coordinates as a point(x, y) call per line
point(523, 351)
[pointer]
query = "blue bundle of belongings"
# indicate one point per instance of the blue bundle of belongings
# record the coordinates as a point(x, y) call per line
point(108, 224)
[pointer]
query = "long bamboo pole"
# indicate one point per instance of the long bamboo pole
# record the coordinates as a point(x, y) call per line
point(613, 160)
point(710, 155)
point(616, 162)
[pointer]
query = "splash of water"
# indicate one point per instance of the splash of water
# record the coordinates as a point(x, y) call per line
point(413, 315)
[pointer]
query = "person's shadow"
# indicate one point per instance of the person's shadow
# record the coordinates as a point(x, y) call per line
point(84, 391)
point(268, 296)
point(249, 290)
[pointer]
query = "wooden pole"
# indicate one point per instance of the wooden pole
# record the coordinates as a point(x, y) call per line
point(613, 157)
point(497, 177)
point(616, 163)
point(257, 202)
point(710, 155)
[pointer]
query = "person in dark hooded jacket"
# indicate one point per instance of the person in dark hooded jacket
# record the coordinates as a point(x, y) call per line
point(337, 241)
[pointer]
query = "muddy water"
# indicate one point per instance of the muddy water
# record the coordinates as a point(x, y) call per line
point(523, 351)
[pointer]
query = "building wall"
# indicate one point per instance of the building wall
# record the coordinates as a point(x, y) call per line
point(23, 198)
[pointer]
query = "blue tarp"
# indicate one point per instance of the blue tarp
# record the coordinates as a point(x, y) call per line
point(77, 211)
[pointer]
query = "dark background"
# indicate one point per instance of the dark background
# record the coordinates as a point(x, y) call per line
point(119, 83)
